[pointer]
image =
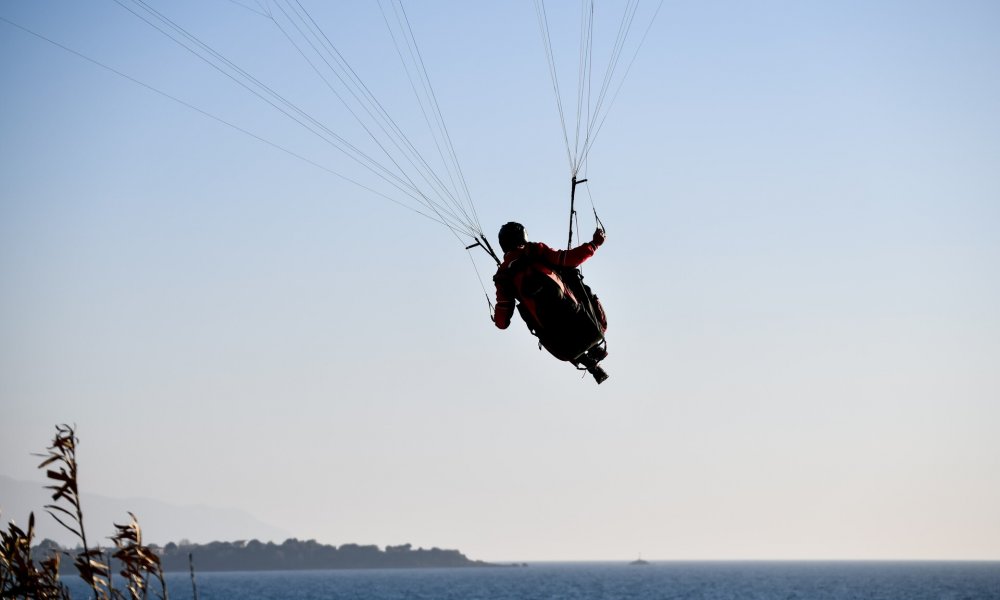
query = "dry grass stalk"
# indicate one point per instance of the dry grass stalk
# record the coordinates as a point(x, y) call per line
point(139, 563)
point(194, 585)
point(62, 455)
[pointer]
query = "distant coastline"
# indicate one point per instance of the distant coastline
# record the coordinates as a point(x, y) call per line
point(294, 555)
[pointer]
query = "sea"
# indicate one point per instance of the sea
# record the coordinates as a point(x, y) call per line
point(606, 581)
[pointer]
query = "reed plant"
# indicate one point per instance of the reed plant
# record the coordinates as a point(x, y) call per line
point(139, 563)
point(22, 576)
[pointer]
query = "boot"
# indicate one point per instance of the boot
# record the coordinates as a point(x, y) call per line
point(600, 375)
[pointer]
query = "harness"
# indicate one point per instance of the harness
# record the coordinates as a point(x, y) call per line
point(555, 304)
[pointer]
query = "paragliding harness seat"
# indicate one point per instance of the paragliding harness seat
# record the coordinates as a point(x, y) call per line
point(569, 321)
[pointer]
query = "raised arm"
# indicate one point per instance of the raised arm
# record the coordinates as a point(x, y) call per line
point(575, 257)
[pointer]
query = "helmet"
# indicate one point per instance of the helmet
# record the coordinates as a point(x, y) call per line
point(511, 236)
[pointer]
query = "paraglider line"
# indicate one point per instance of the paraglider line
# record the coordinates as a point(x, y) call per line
point(219, 119)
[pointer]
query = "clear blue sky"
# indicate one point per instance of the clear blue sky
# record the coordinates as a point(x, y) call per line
point(803, 207)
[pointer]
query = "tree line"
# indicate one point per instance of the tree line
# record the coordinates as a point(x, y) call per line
point(292, 554)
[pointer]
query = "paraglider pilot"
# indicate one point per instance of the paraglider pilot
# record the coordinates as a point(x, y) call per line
point(547, 289)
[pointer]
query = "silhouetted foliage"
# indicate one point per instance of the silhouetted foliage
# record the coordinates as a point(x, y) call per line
point(294, 554)
point(297, 555)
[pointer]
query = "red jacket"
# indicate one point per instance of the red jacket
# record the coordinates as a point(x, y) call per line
point(544, 259)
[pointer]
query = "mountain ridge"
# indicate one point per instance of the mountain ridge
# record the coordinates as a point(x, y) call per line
point(161, 522)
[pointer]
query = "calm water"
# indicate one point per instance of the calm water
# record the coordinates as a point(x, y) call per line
point(587, 581)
